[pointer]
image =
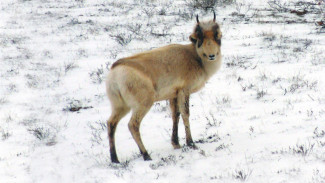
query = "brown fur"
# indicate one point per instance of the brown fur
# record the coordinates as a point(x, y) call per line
point(169, 73)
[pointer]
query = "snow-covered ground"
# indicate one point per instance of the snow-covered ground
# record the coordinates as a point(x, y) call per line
point(261, 118)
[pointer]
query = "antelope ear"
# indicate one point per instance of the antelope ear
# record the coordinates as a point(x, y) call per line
point(217, 31)
point(193, 38)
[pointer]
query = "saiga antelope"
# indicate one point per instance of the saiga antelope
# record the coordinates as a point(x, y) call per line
point(169, 73)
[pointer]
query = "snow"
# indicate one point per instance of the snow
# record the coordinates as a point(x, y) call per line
point(259, 119)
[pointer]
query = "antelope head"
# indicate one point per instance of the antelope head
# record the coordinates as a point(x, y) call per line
point(207, 39)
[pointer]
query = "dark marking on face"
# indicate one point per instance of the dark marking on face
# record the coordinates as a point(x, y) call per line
point(218, 42)
point(193, 40)
point(199, 61)
point(216, 34)
point(215, 30)
point(199, 35)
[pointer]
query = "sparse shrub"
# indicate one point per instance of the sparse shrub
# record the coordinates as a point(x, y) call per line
point(278, 5)
point(69, 66)
point(222, 146)
point(160, 32)
point(212, 121)
point(285, 40)
point(123, 39)
point(121, 166)
point(321, 143)
point(5, 134)
point(247, 86)
point(135, 28)
point(47, 54)
point(74, 21)
point(302, 149)
point(186, 148)
point(113, 55)
point(301, 8)
point(224, 100)
point(3, 100)
point(31, 120)
point(260, 93)
point(162, 11)
point(149, 11)
point(32, 80)
point(270, 38)
point(75, 106)
point(239, 61)
point(202, 4)
point(164, 161)
point(251, 130)
point(82, 53)
point(14, 71)
point(297, 49)
point(185, 14)
point(40, 132)
point(226, 2)
point(298, 82)
point(276, 80)
point(318, 176)
point(208, 139)
point(319, 133)
point(97, 76)
point(4, 128)
point(242, 174)
point(25, 53)
point(44, 132)
point(97, 129)
point(262, 76)
point(108, 65)
point(318, 58)
point(102, 160)
point(242, 9)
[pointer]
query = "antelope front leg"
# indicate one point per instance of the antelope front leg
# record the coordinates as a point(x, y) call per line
point(175, 115)
point(183, 103)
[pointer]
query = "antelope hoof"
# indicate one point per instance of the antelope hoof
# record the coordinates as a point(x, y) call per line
point(115, 160)
point(176, 146)
point(192, 145)
point(146, 157)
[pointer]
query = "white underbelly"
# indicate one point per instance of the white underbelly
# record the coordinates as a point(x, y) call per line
point(170, 90)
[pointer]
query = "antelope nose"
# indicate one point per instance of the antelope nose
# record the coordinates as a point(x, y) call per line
point(211, 57)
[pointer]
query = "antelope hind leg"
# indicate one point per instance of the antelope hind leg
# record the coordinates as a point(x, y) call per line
point(134, 127)
point(117, 114)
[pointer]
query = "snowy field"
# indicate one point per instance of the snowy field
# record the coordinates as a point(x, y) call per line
point(261, 118)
